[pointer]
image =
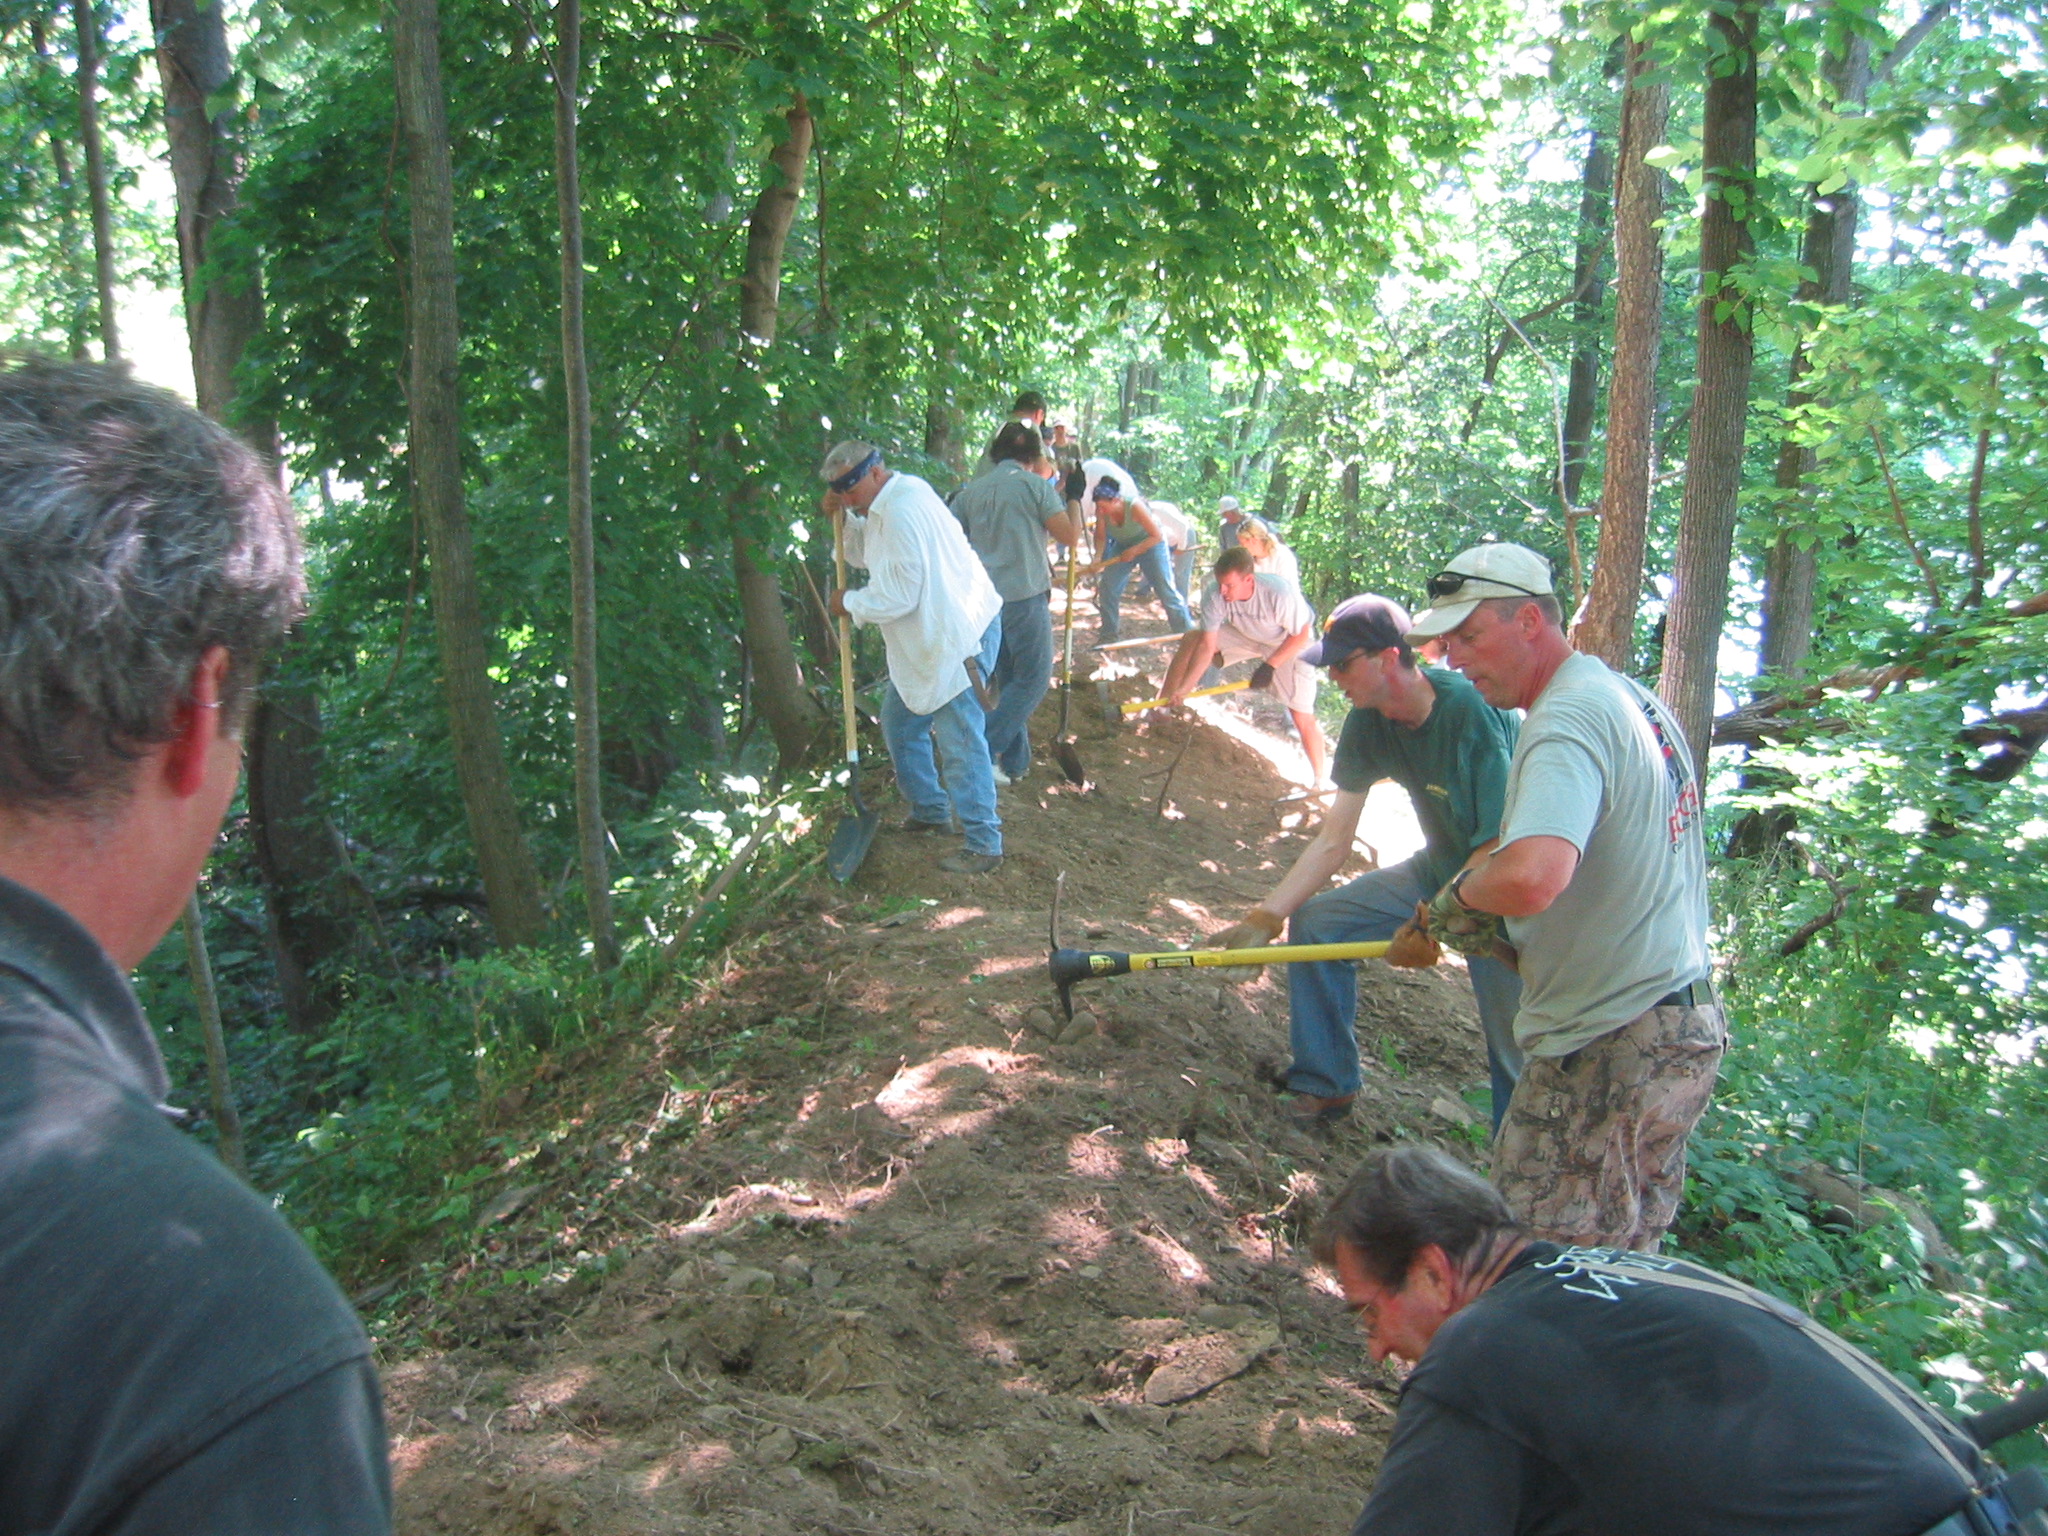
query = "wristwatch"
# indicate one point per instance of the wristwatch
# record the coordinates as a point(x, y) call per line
point(1458, 894)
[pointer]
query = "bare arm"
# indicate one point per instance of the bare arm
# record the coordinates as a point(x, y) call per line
point(1291, 647)
point(1066, 527)
point(1521, 878)
point(1189, 662)
point(1327, 854)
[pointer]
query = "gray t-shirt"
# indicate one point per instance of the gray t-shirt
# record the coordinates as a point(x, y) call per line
point(1603, 765)
point(1005, 512)
point(1272, 613)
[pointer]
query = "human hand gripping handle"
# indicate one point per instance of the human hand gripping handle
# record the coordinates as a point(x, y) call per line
point(1075, 487)
point(1257, 929)
point(1262, 676)
point(1466, 929)
point(1412, 948)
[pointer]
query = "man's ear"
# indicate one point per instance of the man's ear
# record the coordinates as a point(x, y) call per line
point(196, 725)
point(1432, 1268)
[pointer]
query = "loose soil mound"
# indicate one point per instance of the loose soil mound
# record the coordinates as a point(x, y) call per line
point(870, 1242)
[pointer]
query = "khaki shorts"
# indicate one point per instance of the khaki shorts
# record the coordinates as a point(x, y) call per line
point(1294, 684)
point(1592, 1149)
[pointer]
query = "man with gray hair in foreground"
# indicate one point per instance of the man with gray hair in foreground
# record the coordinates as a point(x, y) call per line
point(939, 615)
point(1585, 1391)
point(176, 1360)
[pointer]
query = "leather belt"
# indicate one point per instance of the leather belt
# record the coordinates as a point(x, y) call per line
point(1694, 994)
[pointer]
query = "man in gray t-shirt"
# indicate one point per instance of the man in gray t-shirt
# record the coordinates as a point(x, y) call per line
point(1007, 513)
point(1261, 619)
point(1600, 874)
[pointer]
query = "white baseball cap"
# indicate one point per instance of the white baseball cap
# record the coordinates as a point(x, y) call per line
point(1485, 571)
point(1227, 504)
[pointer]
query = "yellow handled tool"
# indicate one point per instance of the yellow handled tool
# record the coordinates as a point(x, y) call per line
point(1138, 706)
point(1071, 965)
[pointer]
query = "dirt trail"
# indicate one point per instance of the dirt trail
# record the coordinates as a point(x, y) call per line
point(851, 1244)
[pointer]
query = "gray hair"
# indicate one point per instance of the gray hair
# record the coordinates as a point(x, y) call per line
point(135, 536)
point(843, 457)
point(1407, 1198)
point(1546, 604)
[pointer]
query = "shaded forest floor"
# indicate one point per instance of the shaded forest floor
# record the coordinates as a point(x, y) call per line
point(857, 1239)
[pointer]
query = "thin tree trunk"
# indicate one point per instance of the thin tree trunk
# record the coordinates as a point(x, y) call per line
point(793, 716)
point(88, 28)
point(511, 885)
point(78, 316)
point(227, 1123)
point(1589, 294)
point(1720, 404)
point(1606, 621)
point(1828, 251)
point(309, 920)
point(590, 833)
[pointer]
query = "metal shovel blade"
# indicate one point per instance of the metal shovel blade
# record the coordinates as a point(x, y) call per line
point(851, 840)
point(1070, 763)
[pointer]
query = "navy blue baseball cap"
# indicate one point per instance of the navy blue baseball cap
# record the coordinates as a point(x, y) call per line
point(1367, 622)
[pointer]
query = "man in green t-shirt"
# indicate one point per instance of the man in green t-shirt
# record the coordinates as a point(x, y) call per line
point(1431, 733)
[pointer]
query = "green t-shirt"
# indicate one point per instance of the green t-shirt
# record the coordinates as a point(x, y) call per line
point(1454, 767)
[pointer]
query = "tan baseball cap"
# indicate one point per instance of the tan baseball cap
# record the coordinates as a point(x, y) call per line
point(1482, 572)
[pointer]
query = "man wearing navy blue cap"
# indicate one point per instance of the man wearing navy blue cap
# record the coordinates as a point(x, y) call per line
point(1430, 732)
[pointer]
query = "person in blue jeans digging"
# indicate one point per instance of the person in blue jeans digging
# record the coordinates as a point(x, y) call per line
point(939, 615)
point(1126, 539)
point(1430, 732)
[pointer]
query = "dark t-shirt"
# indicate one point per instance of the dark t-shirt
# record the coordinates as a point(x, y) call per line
point(1568, 1404)
point(174, 1360)
point(1455, 769)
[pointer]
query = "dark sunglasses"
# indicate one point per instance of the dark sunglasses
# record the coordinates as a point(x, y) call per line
point(1450, 583)
point(855, 475)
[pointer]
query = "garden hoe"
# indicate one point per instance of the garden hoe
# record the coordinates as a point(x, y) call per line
point(1063, 744)
point(1068, 966)
point(855, 834)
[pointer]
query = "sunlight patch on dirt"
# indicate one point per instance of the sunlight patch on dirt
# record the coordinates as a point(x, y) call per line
point(1090, 1157)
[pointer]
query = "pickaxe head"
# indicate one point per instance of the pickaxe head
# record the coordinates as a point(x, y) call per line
point(1068, 966)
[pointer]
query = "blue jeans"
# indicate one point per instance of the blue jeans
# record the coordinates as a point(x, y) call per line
point(1109, 589)
point(1182, 563)
point(960, 726)
point(1024, 673)
point(1322, 995)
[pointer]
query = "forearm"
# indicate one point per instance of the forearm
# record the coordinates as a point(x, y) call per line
point(1317, 866)
point(1519, 879)
point(1290, 648)
point(1189, 662)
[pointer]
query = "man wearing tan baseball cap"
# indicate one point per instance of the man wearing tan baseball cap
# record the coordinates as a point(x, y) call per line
point(1598, 881)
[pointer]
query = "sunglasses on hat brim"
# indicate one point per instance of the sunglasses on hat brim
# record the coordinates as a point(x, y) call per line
point(1450, 583)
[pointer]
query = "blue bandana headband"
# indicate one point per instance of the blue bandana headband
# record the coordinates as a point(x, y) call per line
point(858, 473)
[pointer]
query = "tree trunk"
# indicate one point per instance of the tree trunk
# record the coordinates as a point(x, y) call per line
point(88, 27)
point(1720, 403)
point(434, 449)
point(590, 833)
point(1589, 295)
point(1606, 621)
point(309, 921)
point(793, 716)
point(1828, 251)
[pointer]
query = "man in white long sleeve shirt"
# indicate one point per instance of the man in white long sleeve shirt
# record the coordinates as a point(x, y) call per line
point(938, 612)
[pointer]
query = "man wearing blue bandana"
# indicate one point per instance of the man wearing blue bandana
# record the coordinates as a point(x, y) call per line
point(941, 623)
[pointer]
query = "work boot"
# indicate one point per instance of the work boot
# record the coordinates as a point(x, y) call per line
point(967, 863)
point(919, 824)
point(1310, 1113)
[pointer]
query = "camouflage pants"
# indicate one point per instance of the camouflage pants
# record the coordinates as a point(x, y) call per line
point(1592, 1150)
